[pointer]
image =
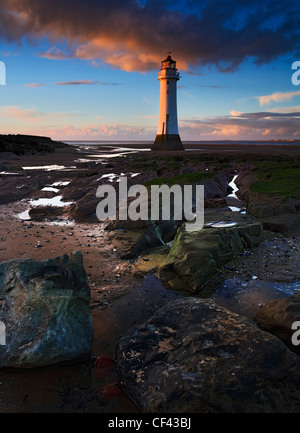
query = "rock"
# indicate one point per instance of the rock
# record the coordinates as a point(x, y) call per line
point(17, 187)
point(187, 169)
point(45, 212)
point(216, 203)
point(281, 223)
point(193, 356)
point(46, 309)
point(196, 256)
point(277, 318)
point(260, 208)
point(244, 181)
point(277, 214)
point(21, 144)
point(141, 235)
point(212, 189)
point(164, 172)
point(85, 208)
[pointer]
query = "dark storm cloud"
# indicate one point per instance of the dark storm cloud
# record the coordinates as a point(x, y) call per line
point(133, 34)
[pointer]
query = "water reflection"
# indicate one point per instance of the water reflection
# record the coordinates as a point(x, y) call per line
point(246, 297)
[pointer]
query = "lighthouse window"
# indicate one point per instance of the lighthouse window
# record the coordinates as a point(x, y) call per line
point(168, 82)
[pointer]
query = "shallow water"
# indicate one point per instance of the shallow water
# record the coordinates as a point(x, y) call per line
point(50, 189)
point(239, 205)
point(47, 167)
point(223, 224)
point(54, 201)
point(246, 297)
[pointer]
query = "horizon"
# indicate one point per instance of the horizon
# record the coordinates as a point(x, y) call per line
point(89, 71)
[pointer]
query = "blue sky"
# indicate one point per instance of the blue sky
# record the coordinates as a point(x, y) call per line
point(88, 70)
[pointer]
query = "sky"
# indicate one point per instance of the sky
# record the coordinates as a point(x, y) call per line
point(87, 70)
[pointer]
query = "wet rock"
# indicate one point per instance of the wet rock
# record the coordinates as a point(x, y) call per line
point(196, 256)
point(85, 209)
point(243, 182)
point(260, 208)
point(281, 223)
point(16, 188)
point(277, 318)
point(217, 203)
point(212, 189)
point(46, 309)
point(193, 356)
point(277, 214)
point(41, 213)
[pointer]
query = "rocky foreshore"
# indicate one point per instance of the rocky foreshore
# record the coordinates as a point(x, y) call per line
point(28, 144)
point(250, 238)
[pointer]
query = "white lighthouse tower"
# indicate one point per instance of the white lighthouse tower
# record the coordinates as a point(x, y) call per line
point(167, 134)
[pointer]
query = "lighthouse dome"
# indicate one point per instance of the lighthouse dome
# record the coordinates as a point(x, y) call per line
point(168, 63)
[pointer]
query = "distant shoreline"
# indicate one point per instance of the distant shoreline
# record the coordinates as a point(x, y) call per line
point(192, 143)
point(224, 147)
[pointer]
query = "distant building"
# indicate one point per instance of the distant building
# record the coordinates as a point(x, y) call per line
point(167, 134)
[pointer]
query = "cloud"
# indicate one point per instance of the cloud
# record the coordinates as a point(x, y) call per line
point(133, 35)
point(277, 97)
point(243, 126)
point(235, 126)
point(74, 83)
point(286, 110)
point(54, 54)
point(34, 85)
point(19, 113)
point(104, 131)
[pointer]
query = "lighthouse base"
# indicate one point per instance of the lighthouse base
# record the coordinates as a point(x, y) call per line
point(167, 142)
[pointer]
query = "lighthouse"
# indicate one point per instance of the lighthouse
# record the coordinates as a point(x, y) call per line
point(167, 137)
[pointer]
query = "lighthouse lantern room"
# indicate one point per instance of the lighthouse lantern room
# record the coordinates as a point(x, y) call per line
point(167, 134)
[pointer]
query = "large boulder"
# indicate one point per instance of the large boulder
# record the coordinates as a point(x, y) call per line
point(45, 307)
point(278, 316)
point(196, 256)
point(193, 356)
